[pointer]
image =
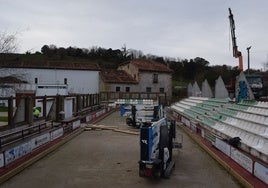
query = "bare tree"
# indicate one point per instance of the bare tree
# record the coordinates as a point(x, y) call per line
point(265, 66)
point(135, 54)
point(7, 42)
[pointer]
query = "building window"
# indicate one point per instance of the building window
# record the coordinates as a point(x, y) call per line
point(161, 90)
point(148, 89)
point(36, 80)
point(117, 88)
point(155, 78)
point(127, 89)
point(65, 80)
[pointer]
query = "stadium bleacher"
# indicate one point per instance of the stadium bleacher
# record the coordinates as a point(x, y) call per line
point(247, 120)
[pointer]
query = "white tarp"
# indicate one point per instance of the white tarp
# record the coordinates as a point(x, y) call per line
point(220, 89)
point(206, 90)
point(242, 88)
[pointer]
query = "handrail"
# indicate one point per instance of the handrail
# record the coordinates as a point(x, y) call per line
point(8, 138)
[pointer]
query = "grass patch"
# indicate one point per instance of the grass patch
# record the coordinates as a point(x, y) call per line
point(3, 118)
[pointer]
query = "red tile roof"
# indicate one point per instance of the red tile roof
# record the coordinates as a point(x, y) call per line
point(51, 65)
point(148, 65)
point(116, 76)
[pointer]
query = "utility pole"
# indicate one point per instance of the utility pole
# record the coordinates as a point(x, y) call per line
point(248, 48)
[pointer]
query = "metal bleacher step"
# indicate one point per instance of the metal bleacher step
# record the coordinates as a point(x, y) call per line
point(169, 168)
point(177, 145)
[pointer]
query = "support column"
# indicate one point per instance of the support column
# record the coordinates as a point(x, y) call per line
point(10, 112)
point(59, 107)
point(29, 110)
point(44, 106)
point(78, 102)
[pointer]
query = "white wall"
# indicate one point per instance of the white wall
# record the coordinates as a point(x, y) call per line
point(52, 90)
point(78, 81)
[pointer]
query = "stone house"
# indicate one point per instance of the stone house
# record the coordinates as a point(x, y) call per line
point(138, 75)
point(117, 81)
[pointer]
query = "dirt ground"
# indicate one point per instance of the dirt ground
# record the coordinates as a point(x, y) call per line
point(103, 158)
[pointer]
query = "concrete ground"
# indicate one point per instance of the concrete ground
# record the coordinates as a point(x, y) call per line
point(103, 158)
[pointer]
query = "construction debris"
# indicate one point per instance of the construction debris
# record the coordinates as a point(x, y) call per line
point(95, 127)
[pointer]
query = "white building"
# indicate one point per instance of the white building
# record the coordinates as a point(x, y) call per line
point(49, 78)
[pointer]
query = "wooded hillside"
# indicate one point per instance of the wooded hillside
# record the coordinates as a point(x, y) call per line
point(184, 70)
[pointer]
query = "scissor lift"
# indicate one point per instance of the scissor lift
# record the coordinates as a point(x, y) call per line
point(157, 141)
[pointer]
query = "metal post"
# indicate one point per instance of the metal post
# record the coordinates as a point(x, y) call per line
point(29, 110)
point(10, 112)
point(44, 106)
point(59, 107)
point(78, 103)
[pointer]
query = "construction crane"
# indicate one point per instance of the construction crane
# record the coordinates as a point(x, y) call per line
point(236, 52)
point(255, 81)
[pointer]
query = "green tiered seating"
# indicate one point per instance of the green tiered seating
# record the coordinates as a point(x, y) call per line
point(211, 103)
point(218, 117)
point(238, 107)
point(228, 112)
point(190, 113)
point(248, 102)
point(198, 110)
point(219, 100)
point(209, 122)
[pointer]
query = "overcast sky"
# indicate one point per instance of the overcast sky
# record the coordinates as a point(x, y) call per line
point(171, 28)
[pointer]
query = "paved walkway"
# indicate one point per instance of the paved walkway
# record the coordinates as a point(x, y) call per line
point(3, 124)
point(103, 158)
point(3, 113)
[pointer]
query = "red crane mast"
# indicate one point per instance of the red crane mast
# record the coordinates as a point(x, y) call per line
point(236, 52)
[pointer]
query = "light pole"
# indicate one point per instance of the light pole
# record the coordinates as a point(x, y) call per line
point(248, 48)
